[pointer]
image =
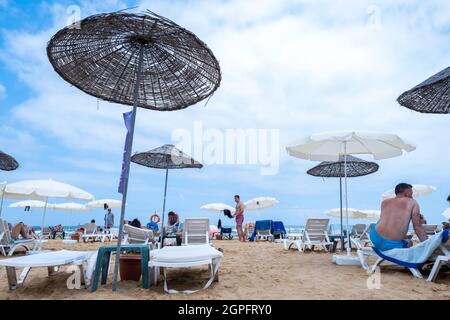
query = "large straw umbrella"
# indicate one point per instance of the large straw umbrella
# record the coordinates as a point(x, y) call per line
point(165, 157)
point(45, 189)
point(7, 162)
point(330, 146)
point(430, 96)
point(356, 167)
point(143, 60)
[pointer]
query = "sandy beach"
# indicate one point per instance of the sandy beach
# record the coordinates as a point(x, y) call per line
point(259, 270)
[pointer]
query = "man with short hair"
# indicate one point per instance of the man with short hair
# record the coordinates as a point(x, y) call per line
point(239, 216)
point(396, 214)
point(109, 220)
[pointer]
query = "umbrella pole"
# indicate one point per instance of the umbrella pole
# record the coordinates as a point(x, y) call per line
point(43, 218)
point(1, 204)
point(346, 199)
point(342, 222)
point(127, 168)
point(164, 208)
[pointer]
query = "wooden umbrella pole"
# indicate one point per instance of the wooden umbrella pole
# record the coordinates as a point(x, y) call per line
point(127, 167)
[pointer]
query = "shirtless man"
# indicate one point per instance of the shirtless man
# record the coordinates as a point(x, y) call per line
point(396, 214)
point(18, 230)
point(239, 215)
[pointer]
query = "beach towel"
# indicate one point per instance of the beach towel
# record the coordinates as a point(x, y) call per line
point(261, 225)
point(278, 228)
point(416, 256)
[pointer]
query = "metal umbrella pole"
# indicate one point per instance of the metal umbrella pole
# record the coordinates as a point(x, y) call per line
point(342, 222)
point(43, 218)
point(1, 204)
point(127, 168)
point(346, 199)
point(164, 208)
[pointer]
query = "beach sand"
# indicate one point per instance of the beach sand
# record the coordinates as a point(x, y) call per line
point(260, 271)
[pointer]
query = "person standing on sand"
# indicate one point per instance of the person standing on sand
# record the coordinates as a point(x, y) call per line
point(396, 214)
point(109, 220)
point(239, 216)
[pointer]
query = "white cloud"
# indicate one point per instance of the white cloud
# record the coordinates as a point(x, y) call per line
point(2, 92)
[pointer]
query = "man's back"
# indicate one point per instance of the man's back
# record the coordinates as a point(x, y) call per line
point(396, 215)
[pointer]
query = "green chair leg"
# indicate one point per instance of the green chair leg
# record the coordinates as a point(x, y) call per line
point(105, 267)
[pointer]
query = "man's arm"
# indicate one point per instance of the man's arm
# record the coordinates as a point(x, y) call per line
point(418, 228)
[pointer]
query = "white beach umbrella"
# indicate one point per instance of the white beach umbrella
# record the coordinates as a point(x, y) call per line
point(45, 189)
point(29, 203)
point(112, 203)
point(70, 206)
point(260, 203)
point(446, 213)
point(418, 190)
point(371, 214)
point(330, 146)
point(217, 207)
point(352, 213)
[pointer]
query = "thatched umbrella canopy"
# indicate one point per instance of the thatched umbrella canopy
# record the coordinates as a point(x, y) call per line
point(143, 60)
point(356, 167)
point(430, 96)
point(165, 157)
point(7, 162)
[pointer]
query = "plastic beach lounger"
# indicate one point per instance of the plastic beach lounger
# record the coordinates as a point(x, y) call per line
point(51, 260)
point(185, 257)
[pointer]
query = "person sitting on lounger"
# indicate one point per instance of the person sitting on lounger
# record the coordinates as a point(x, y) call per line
point(18, 230)
point(173, 227)
point(396, 214)
point(135, 223)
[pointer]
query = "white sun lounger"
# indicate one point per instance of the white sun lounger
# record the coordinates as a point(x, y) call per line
point(196, 231)
point(90, 233)
point(8, 246)
point(51, 260)
point(440, 260)
point(315, 234)
point(138, 235)
point(184, 257)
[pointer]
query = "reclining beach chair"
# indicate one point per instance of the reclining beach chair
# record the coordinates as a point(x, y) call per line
point(360, 234)
point(440, 260)
point(196, 231)
point(314, 234)
point(46, 233)
point(52, 260)
point(8, 246)
point(138, 235)
point(414, 257)
point(263, 230)
point(186, 256)
point(278, 230)
point(225, 233)
point(91, 233)
point(430, 229)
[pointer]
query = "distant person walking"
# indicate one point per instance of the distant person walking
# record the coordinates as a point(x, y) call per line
point(109, 220)
point(239, 216)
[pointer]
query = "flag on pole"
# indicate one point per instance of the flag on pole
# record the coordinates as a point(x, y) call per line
point(126, 151)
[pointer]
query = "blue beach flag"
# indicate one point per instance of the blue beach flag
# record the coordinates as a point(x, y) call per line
point(126, 151)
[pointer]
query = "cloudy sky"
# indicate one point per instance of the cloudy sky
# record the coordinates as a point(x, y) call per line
point(295, 67)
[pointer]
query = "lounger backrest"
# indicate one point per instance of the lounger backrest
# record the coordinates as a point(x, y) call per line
point(430, 229)
point(137, 235)
point(90, 228)
point(359, 229)
point(263, 227)
point(317, 229)
point(196, 231)
point(4, 229)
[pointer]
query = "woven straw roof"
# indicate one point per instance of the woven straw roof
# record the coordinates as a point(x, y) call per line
point(355, 168)
point(165, 157)
point(7, 163)
point(101, 58)
point(430, 96)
